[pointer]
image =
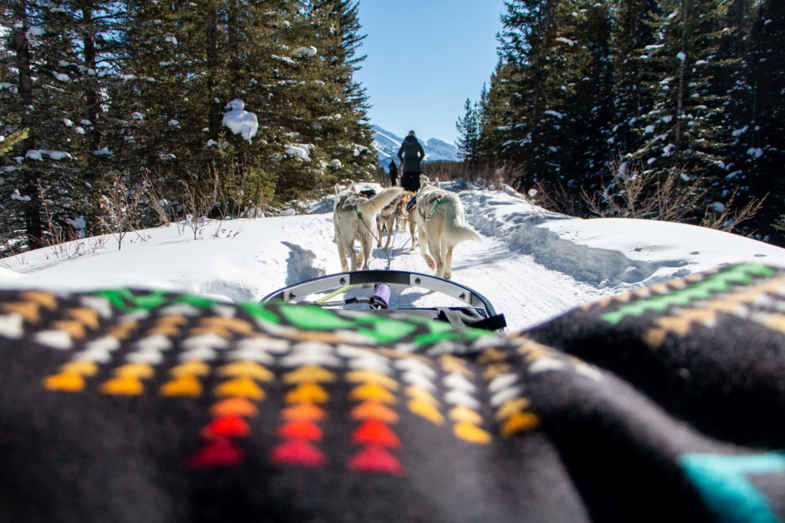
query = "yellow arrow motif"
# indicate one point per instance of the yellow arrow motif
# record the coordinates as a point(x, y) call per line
point(452, 364)
point(123, 387)
point(417, 392)
point(187, 386)
point(141, 371)
point(307, 393)
point(520, 422)
point(461, 413)
point(190, 368)
point(373, 392)
point(242, 387)
point(29, 311)
point(426, 410)
point(85, 316)
point(83, 368)
point(372, 376)
point(44, 299)
point(122, 331)
point(309, 374)
point(472, 433)
point(511, 407)
point(246, 369)
point(73, 328)
point(65, 383)
point(230, 324)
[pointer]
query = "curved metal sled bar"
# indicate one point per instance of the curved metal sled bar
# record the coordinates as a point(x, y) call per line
point(409, 279)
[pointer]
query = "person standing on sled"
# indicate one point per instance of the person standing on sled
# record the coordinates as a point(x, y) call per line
point(393, 174)
point(411, 155)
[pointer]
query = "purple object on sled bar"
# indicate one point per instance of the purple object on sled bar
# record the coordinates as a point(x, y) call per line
point(381, 296)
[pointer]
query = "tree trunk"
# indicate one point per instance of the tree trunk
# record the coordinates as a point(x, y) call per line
point(93, 112)
point(214, 117)
point(682, 72)
point(32, 189)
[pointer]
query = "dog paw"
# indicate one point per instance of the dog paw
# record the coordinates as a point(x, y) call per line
point(447, 276)
point(431, 264)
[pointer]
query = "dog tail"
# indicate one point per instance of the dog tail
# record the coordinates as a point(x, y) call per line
point(456, 230)
point(380, 201)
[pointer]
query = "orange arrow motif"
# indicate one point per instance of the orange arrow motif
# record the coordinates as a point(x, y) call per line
point(374, 410)
point(511, 407)
point(83, 368)
point(309, 374)
point(304, 411)
point(242, 387)
point(65, 383)
point(372, 392)
point(234, 407)
point(142, 371)
point(123, 387)
point(520, 422)
point(190, 368)
point(246, 369)
point(372, 376)
point(187, 386)
point(307, 393)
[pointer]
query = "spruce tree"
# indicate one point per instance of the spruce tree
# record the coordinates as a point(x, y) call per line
point(683, 129)
point(469, 134)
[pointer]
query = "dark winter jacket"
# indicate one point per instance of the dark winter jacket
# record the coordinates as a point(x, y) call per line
point(660, 405)
point(411, 154)
point(393, 171)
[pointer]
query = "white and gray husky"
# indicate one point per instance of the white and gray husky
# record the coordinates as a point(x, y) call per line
point(354, 217)
point(442, 226)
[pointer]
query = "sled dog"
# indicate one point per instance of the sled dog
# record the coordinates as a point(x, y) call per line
point(406, 217)
point(354, 218)
point(387, 219)
point(439, 214)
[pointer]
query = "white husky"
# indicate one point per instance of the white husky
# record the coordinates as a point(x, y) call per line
point(354, 218)
point(439, 214)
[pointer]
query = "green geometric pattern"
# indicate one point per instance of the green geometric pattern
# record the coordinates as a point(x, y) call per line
point(722, 281)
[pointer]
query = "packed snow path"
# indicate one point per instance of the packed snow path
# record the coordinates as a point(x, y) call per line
point(532, 265)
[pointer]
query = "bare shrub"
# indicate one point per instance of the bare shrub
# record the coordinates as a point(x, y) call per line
point(482, 175)
point(121, 204)
point(636, 193)
point(198, 203)
point(556, 198)
point(728, 218)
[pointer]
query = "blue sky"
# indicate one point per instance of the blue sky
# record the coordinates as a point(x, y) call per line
point(425, 57)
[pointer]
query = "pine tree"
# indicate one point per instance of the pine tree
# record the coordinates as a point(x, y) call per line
point(40, 94)
point(683, 128)
point(632, 32)
point(494, 111)
point(469, 134)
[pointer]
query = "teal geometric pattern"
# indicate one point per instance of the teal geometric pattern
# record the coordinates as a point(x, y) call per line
point(727, 492)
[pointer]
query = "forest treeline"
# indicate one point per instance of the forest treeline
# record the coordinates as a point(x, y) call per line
point(112, 107)
point(591, 95)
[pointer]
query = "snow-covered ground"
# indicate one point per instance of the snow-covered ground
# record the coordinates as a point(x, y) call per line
point(532, 264)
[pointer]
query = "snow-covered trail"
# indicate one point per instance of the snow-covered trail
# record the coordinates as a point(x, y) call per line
point(532, 265)
point(525, 291)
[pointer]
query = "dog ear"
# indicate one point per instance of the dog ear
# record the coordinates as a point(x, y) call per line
point(337, 188)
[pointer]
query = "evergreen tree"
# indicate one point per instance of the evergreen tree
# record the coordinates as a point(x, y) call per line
point(469, 134)
point(683, 128)
point(493, 113)
point(632, 32)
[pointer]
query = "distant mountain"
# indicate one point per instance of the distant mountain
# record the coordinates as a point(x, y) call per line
point(387, 145)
